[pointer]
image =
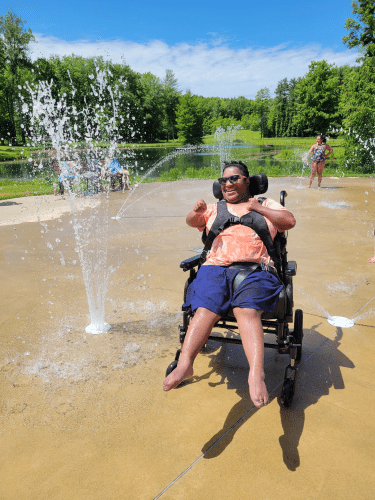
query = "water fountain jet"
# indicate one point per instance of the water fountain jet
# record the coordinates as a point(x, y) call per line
point(225, 138)
point(82, 171)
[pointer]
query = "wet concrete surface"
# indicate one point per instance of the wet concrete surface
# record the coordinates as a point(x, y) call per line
point(84, 416)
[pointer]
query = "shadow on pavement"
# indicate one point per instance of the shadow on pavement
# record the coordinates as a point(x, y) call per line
point(8, 203)
point(323, 373)
point(314, 381)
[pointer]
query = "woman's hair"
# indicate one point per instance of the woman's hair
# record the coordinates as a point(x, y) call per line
point(238, 164)
point(323, 138)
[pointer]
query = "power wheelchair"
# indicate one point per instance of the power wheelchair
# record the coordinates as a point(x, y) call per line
point(277, 322)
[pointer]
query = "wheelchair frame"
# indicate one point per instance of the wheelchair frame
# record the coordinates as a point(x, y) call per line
point(275, 323)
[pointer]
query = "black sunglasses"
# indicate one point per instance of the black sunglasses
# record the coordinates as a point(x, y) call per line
point(232, 179)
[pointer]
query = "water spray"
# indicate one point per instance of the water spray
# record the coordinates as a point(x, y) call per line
point(82, 171)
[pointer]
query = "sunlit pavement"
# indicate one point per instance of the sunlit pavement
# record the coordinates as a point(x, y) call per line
point(85, 417)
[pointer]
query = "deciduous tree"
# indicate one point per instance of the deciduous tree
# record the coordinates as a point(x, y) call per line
point(152, 106)
point(189, 120)
point(362, 32)
point(317, 99)
point(16, 42)
point(263, 98)
point(171, 96)
point(357, 105)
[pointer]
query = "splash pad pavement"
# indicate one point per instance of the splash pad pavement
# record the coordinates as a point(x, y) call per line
point(84, 416)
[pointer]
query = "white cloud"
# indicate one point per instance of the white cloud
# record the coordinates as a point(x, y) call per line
point(204, 69)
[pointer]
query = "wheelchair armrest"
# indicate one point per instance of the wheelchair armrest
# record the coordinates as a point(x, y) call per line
point(291, 269)
point(190, 263)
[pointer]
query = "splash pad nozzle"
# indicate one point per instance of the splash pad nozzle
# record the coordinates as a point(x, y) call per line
point(340, 321)
point(96, 329)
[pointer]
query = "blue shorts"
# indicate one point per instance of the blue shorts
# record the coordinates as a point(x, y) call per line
point(213, 290)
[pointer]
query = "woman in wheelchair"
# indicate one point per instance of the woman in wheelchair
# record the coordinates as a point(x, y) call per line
point(212, 294)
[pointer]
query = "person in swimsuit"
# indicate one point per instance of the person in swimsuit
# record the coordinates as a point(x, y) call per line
point(211, 293)
point(318, 159)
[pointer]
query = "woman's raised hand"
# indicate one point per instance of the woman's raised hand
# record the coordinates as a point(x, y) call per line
point(200, 207)
point(196, 217)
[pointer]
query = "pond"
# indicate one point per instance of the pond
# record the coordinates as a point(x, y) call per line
point(176, 162)
point(205, 160)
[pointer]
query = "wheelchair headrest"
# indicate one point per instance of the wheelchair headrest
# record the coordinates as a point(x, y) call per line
point(258, 185)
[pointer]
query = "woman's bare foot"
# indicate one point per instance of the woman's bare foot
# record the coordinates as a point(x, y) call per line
point(258, 390)
point(372, 260)
point(182, 372)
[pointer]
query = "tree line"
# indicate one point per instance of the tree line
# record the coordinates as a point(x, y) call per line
point(327, 99)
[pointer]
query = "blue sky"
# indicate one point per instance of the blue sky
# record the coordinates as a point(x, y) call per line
point(214, 48)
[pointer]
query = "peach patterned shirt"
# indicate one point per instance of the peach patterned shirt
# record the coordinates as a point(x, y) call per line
point(238, 243)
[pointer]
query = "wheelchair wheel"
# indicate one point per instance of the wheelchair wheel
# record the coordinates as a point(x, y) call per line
point(287, 392)
point(298, 332)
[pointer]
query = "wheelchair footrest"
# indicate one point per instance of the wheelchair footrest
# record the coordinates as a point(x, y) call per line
point(172, 366)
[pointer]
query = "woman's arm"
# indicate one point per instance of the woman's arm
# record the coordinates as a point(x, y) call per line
point(330, 150)
point(196, 217)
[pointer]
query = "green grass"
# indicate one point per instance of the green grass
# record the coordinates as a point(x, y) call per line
point(18, 189)
point(251, 137)
point(176, 174)
point(11, 153)
point(254, 137)
point(282, 169)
